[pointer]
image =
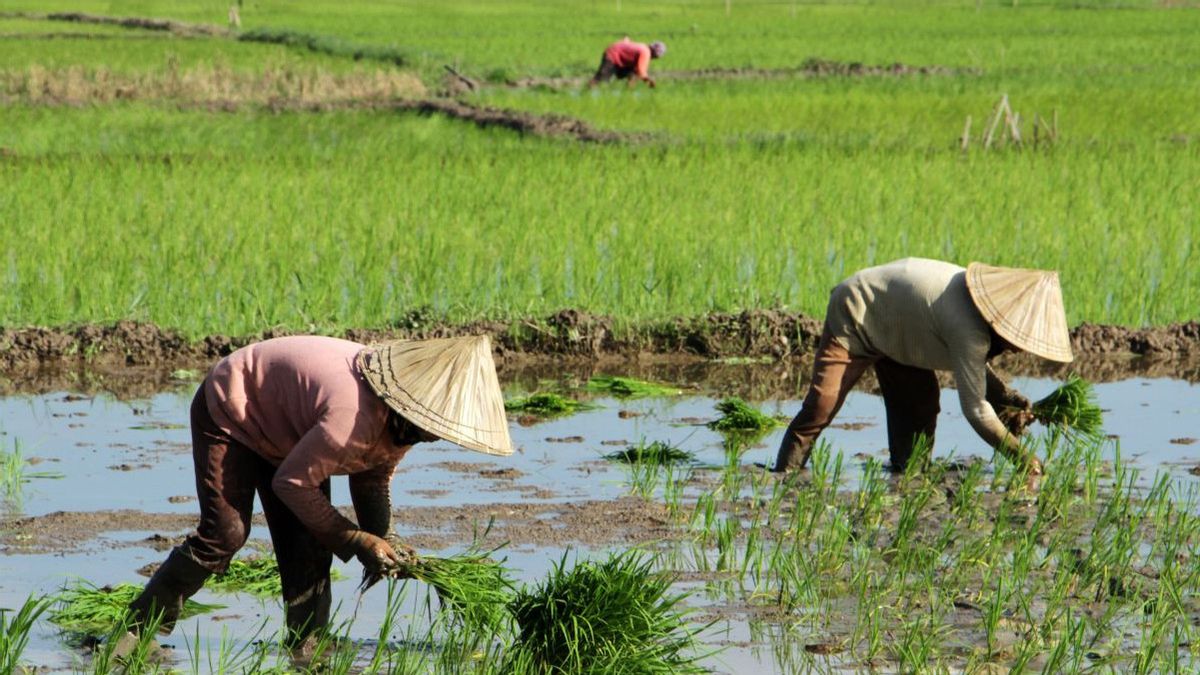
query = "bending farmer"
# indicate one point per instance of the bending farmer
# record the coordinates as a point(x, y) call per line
point(625, 58)
point(280, 418)
point(911, 317)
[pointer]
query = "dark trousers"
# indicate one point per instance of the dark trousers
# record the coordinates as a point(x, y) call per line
point(910, 397)
point(228, 474)
point(608, 70)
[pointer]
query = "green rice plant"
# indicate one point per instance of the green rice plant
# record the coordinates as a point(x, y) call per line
point(325, 44)
point(547, 404)
point(83, 607)
point(474, 587)
point(1072, 407)
point(656, 452)
point(14, 632)
point(257, 575)
point(617, 615)
point(628, 387)
point(738, 417)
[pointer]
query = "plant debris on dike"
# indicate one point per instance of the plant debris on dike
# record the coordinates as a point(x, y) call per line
point(628, 387)
point(93, 610)
point(604, 617)
point(1072, 407)
point(738, 416)
point(546, 405)
point(657, 452)
point(473, 586)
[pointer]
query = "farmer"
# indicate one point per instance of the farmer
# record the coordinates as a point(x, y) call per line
point(911, 317)
point(279, 418)
point(624, 58)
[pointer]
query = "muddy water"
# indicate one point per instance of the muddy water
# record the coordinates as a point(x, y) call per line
point(126, 493)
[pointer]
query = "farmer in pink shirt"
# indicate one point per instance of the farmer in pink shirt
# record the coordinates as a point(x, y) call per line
point(625, 58)
point(280, 418)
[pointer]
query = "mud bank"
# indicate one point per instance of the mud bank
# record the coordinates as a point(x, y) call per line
point(757, 334)
point(135, 22)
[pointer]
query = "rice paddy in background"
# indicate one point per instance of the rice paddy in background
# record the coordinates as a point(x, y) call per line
point(750, 191)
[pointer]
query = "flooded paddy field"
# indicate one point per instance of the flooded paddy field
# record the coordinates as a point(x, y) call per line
point(844, 568)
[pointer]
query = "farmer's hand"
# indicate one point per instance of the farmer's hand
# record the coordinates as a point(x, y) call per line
point(1035, 466)
point(375, 554)
point(406, 552)
point(650, 83)
point(1016, 421)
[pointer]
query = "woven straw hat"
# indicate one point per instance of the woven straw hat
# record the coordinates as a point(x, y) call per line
point(447, 387)
point(1024, 306)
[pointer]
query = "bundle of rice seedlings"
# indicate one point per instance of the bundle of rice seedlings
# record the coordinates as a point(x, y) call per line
point(473, 586)
point(657, 452)
point(628, 387)
point(1072, 406)
point(91, 610)
point(614, 616)
point(738, 416)
point(545, 405)
point(256, 575)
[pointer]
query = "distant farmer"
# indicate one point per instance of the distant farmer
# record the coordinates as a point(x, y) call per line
point(912, 317)
point(625, 58)
point(279, 418)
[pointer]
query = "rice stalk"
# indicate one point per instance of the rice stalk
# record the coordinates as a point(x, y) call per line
point(473, 586)
point(656, 452)
point(94, 610)
point(546, 404)
point(1072, 407)
point(14, 632)
point(256, 575)
point(614, 616)
point(628, 387)
point(738, 416)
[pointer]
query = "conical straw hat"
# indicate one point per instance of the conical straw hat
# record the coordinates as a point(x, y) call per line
point(1024, 306)
point(447, 387)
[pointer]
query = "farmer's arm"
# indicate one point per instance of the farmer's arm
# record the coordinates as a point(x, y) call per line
point(1011, 407)
point(971, 376)
point(643, 67)
point(319, 454)
point(370, 492)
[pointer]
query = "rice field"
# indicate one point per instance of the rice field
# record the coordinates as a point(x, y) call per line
point(205, 210)
point(278, 176)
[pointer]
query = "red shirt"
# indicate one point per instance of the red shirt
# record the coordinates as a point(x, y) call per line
point(628, 54)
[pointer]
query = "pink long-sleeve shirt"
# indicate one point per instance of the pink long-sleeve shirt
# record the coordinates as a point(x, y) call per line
point(301, 404)
point(629, 54)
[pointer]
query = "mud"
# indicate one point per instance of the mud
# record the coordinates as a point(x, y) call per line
point(94, 356)
point(590, 523)
point(143, 23)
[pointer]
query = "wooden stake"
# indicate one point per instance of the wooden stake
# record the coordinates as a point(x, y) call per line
point(995, 123)
point(965, 141)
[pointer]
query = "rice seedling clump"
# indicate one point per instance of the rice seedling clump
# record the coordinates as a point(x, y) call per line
point(657, 452)
point(614, 616)
point(738, 416)
point(628, 387)
point(545, 405)
point(93, 610)
point(256, 575)
point(473, 586)
point(1072, 406)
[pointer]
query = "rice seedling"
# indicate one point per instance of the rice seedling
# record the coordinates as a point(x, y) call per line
point(655, 452)
point(738, 417)
point(84, 608)
point(628, 387)
point(617, 615)
point(474, 587)
point(547, 404)
point(14, 632)
point(1072, 408)
point(256, 575)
